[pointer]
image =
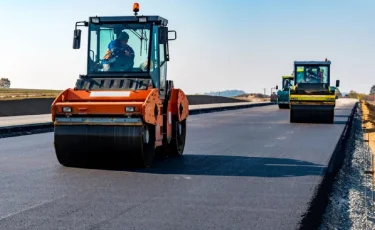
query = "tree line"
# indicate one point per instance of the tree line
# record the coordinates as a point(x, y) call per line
point(363, 96)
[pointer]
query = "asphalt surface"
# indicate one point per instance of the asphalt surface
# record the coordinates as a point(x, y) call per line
point(242, 169)
point(45, 118)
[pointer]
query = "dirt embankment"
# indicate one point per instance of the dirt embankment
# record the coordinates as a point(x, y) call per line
point(368, 120)
point(206, 99)
point(253, 97)
point(43, 105)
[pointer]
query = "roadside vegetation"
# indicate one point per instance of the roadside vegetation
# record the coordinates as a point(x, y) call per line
point(368, 110)
point(18, 94)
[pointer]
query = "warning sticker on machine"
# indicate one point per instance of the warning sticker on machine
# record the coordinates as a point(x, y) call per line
point(110, 94)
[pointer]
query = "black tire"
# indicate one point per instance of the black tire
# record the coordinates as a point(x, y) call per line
point(146, 156)
point(177, 145)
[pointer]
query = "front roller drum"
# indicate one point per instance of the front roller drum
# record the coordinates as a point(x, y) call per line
point(312, 115)
point(84, 145)
point(283, 106)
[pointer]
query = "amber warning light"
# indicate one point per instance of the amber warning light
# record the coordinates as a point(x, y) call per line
point(136, 7)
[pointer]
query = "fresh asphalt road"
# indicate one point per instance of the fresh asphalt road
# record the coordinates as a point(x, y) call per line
point(242, 169)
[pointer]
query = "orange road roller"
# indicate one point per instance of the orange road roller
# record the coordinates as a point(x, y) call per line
point(124, 106)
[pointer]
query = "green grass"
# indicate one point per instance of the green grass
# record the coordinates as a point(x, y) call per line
point(18, 94)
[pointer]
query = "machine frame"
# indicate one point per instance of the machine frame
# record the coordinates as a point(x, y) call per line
point(312, 102)
point(121, 113)
point(283, 93)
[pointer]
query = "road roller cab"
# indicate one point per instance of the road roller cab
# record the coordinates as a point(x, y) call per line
point(124, 106)
point(283, 93)
point(312, 99)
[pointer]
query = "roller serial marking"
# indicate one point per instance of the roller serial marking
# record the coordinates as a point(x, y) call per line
point(109, 94)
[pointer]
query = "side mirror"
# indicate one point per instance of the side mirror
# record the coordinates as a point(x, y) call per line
point(337, 83)
point(277, 87)
point(163, 35)
point(77, 39)
point(175, 35)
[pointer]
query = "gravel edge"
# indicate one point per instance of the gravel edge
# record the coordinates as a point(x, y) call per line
point(350, 204)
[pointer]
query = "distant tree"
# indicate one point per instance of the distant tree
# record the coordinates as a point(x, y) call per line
point(359, 96)
point(353, 94)
point(372, 90)
point(4, 83)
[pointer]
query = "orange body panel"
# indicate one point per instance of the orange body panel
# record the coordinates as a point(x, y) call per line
point(146, 103)
point(179, 100)
point(151, 109)
point(83, 104)
point(81, 95)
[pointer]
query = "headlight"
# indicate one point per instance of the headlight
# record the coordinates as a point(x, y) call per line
point(95, 20)
point(67, 109)
point(142, 19)
point(129, 109)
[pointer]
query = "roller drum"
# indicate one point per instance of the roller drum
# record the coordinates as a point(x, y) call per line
point(80, 145)
point(312, 114)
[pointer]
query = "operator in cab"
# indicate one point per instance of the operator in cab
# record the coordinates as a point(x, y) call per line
point(287, 84)
point(119, 56)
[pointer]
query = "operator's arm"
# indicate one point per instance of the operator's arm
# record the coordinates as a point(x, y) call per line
point(111, 49)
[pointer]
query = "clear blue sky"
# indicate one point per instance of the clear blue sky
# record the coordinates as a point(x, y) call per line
point(236, 44)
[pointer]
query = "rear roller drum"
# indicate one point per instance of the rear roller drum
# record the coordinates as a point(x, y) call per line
point(177, 145)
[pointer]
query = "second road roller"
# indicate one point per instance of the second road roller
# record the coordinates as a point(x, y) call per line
point(311, 98)
point(124, 106)
point(283, 94)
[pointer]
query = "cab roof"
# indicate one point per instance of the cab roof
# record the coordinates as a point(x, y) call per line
point(117, 19)
point(312, 62)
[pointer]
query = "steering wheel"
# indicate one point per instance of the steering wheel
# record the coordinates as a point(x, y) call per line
point(122, 63)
